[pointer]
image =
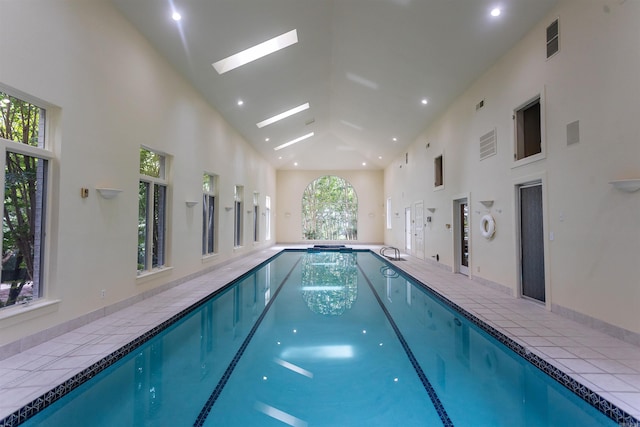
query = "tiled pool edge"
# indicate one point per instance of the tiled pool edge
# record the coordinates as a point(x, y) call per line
point(47, 399)
point(612, 411)
point(594, 399)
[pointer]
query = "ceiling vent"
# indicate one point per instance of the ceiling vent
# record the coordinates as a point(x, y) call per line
point(553, 39)
point(488, 145)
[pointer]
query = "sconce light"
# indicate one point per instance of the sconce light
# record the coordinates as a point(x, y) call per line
point(487, 203)
point(227, 208)
point(626, 185)
point(109, 193)
point(191, 203)
point(432, 210)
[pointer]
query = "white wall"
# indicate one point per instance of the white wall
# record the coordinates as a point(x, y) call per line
point(113, 93)
point(592, 261)
point(367, 184)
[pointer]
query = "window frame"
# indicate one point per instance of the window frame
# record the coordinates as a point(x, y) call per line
point(161, 182)
point(256, 217)
point(238, 226)
point(267, 218)
point(438, 172)
point(540, 98)
point(210, 216)
point(42, 292)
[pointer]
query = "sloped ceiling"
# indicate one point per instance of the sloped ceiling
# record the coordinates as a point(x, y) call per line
point(364, 66)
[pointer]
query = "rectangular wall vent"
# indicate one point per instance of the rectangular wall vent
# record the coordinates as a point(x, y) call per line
point(573, 133)
point(479, 105)
point(553, 39)
point(488, 145)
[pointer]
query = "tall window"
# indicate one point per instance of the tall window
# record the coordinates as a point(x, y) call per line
point(209, 214)
point(256, 217)
point(329, 210)
point(267, 218)
point(152, 211)
point(237, 215)
point(438, 172)
point(25, 163)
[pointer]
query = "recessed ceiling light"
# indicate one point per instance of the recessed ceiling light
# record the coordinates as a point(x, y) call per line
point(302, 138)
point(266, 139)
point(496, 11)
point(279, 157)
point(176, 16)
point(240, 102)
point(379, 157)
point(256, 52)
point(295, 163)
point(364, 163)
point(283, 115)
point(394, 139)
point(424, 101)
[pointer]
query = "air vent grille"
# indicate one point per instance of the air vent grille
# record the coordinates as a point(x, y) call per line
point(488, 145)
point(553, 38)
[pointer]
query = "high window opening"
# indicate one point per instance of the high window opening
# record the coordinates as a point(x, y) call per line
point(329, 210)
point(209, 214)
point(237, 215)
point(25, 173)
point(438, 172)
point(152, 211)
point(528, 130)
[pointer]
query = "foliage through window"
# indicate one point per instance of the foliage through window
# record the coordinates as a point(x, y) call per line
point(152, 211)
point(25, 169)
point(329, 210)
point(209, 214)
point(237, 215)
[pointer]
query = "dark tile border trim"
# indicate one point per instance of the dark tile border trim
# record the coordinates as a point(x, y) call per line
point(32, 408)
point(433, 396)
point(202, 416)
point(617, 414)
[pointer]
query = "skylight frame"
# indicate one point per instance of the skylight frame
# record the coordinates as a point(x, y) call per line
point(294, 141)
point(283, 115)
point(256, 52)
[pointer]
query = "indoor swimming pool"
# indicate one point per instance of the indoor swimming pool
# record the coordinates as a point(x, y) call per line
point(321, 338)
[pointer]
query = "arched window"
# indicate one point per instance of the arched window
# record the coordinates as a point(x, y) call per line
point(329, 210)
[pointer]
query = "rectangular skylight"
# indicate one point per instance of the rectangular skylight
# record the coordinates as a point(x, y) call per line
point(284, 115)
point(256, 52)
point(302, 138)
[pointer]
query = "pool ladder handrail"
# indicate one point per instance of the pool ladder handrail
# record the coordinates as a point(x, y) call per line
point(396, 253)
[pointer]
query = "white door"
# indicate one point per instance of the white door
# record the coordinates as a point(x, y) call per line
point(408, 235)
point(418, 230)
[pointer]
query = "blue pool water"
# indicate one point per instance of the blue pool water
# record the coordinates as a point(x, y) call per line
point(322, 339)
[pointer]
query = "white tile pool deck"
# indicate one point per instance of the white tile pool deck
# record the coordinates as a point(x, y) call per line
point(606, 365)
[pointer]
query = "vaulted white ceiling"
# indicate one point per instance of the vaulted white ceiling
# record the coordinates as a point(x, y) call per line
point(364, 66)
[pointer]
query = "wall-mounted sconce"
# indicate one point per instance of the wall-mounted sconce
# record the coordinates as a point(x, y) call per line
point(487, 203)
point(626, 185)
point(109, 193)
point(432, 210)
point(371, 215)
point(191, 203)
point(287, 214)
point(227, 208)
point(249, 211)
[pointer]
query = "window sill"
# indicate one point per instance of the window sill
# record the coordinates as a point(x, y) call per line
point(209, 257)
point(528, 160)
point(238, 248)
point(17, 314)
point(439, 188)
point(150, 275)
